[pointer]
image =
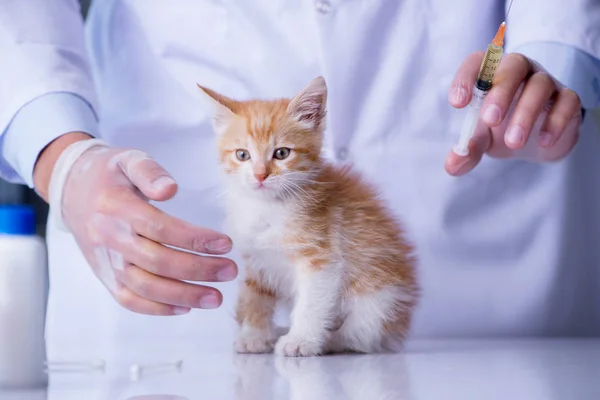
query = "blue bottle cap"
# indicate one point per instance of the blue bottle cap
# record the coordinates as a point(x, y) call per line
point(17, 220)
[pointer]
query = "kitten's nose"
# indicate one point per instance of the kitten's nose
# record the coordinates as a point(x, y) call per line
point(261, 177)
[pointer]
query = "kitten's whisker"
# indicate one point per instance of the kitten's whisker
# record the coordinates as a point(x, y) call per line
point(312, 182)
point(298, 187)
point(285, 186)
point(288, 194)
point(293, 193)
point(303, 178)
point(305, 193)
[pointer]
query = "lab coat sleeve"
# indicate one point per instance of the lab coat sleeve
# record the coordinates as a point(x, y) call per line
point(564, 37)
point(37, 124)
point(47, 88)
point(574, 23)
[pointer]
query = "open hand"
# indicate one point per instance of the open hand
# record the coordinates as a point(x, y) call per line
point(142, 255)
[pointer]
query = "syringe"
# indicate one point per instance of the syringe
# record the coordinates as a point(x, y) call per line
point(482, 86)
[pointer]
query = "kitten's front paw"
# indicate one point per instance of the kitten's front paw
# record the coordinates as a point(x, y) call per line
point(255, 342)
point(297, 346)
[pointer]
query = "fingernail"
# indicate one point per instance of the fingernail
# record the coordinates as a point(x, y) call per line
point(219, 245)
point(545, 139)
point(515, 134)
point(459, 95)
point(163, 182)
point(209, 301)
point(461, 164)
point(227, 274)
point(491, 114)
point(180, 310)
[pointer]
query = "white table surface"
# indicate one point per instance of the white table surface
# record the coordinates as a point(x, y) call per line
point(546, 369)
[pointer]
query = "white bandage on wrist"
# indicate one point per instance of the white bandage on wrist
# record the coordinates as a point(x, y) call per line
point(59, 176)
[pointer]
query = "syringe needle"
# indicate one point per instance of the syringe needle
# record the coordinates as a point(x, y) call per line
point(508, 11)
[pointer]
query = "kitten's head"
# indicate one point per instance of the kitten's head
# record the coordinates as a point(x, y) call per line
point(271, 147)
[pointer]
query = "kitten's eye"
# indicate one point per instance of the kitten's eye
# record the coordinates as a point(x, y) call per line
point(242, 155)
point(282, 153)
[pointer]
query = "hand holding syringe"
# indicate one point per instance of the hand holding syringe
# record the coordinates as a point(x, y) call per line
point(513, 108)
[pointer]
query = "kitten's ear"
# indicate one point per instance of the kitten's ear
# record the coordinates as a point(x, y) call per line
point(309, 106)
point(222, 109)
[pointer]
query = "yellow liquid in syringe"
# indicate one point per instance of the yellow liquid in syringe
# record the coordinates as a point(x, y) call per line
point(487, 70)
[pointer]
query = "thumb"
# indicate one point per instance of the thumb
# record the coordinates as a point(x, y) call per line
point(478, 145)
point(150, 178)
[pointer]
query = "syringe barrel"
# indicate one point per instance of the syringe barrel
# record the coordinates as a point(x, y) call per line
point(488, 67)
point(487, 70)
point(470, 122)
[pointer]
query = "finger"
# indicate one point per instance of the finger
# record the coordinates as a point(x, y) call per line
point(142, 218)
point(150, 178)
point(119, 224)
point(154, 224)
point(170, 263)
point(461, 87)
point(565, 143)
point(536, 93)
point(168, 291)
point(512, 71)
point(131, 301)
point(117, 237)
point(566, 107)
point(457, 165)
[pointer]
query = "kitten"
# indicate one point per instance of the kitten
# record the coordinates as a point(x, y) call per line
point(312, 235)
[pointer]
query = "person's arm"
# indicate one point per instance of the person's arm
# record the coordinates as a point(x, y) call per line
point(98, 193)
point(47, 91)
point(39, 132)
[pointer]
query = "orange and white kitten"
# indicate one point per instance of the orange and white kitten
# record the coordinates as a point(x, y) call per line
point(312, 235)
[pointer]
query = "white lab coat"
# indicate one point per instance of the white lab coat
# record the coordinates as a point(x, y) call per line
point(509, 249)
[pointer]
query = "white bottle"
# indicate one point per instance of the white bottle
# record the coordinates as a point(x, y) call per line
point(23, 299)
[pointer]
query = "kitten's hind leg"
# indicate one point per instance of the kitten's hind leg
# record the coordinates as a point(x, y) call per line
point(376, 322)
point(254, 313)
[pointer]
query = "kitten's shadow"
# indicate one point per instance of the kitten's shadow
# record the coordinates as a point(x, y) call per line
point(352, 377)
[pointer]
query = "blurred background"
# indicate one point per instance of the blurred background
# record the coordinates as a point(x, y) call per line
point(19, 194)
